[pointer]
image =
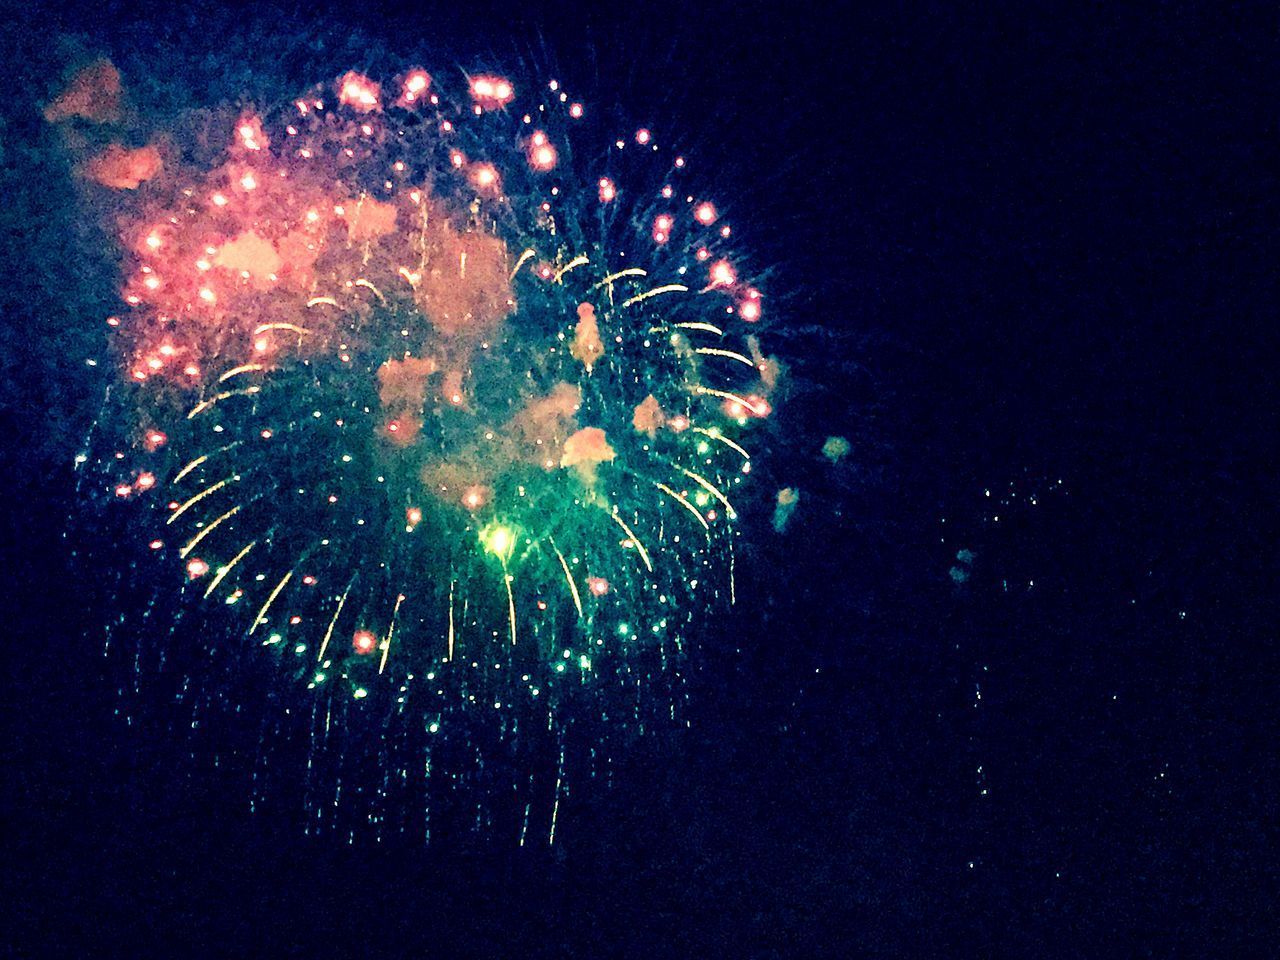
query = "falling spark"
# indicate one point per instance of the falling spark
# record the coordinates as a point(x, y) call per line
point(213, 525)
point(223, 571)
point(261, 618)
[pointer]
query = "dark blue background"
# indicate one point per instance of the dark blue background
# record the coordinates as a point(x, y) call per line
point(1024, 252)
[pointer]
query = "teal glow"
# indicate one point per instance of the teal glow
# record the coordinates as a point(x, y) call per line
point(498, 540)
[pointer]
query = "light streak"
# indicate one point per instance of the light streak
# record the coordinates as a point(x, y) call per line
point(716, 435)
point(656, 292)
point(449, 655)
point(511, 601)
point(391, 631)
point(190, 466)
point(262, 613)
point(243, 368)
point(362, 282)
point(683, 502)
point(213, 525)
point(280, 325)
point(712, 489)
point(223, 571)
point(204, 405)
point(568, 577)
point(577, 261)
point(644, 554)
point(731, 354)
point(201, 459)
point(333, 621)
point(725, 395)
point(698, 325)
point(525, 257)
point(629, 272)
point(198, 497)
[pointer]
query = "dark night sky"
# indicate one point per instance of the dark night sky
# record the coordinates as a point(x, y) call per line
point(1027, 255)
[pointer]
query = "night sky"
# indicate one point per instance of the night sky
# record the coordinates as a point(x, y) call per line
point(1003, 687)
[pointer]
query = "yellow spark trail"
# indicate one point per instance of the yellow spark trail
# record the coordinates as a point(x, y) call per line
point(733, 585)
point(223, 571)
point(243, 368)
point(725, 395)
point(629, 272)
point(198, 497)
point(685, 503)
point(644, 554)
point(524, 258)
point(708, 327)
point(191, 544)
point(333, 621)
point(573, 587)
point(258, 620)
point(362, 282)
point(711, 488)
point(204, 405)
point(723, 439)
point(656, 291)
point(577, 261)
point(731, 354)
point(451, 585)
point(511, 602)
point(391, 631)
point(191, 466)
point(201, 459)
point(555, 807)
point(281, 325)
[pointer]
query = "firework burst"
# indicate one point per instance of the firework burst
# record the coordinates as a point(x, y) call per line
point(445, 420)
